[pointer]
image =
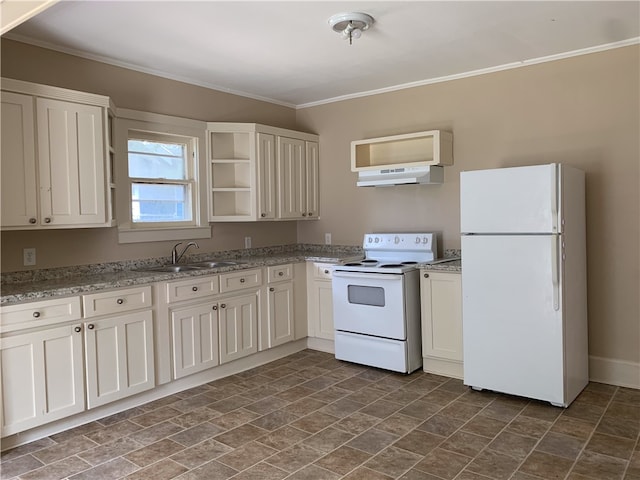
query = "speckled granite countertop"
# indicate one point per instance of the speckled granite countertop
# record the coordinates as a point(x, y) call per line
point(42, 284)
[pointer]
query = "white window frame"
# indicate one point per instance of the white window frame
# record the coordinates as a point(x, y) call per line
point(135, 124)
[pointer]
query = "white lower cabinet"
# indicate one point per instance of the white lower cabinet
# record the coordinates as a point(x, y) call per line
point(194, 331)
point(320, 301)
point(119, 355)
point(441, 299)
point(278, 319)
point(238, 326)
point(41, 377)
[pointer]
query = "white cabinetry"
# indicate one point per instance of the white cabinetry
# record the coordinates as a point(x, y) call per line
point(259, 172)
point(41, 363)
point(55, 158)
point(320, 301)
point(238, 311)
point(441, 299)
point(194, 331)
point(118, 344)
point(279, 318)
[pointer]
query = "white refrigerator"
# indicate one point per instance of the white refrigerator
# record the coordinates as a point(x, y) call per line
point(524, 309)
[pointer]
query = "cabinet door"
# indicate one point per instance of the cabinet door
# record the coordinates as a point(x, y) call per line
point(41, 377)
point(291, 178)
point(441, 299)
point(312, 180)
point(238, 326)
point(195, 338)
point(71, 159)
point(267, 183)
point(19, 189)
point(281, 317)
point(119, 357)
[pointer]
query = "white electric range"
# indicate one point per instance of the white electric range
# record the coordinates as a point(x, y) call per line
point(376, 302)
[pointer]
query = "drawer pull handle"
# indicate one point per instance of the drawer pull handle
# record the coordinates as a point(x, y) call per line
point(32, 220)
point(91, 326)
point(120, 301)
point(215, 307)
point(77, 329)
point(272, 289)
point(47, 220)
point(195, 289)
point(223, 305)
point(426, 275)
point(280, 274)
point(36, 314)
point(242, 280)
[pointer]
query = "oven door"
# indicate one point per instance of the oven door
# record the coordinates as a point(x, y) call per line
point(369, 303)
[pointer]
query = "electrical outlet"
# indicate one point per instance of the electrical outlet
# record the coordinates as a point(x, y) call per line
point(327, 239)
point(29, 257)
point(247, 242)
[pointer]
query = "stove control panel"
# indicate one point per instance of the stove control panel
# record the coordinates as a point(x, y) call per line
point(399, 241)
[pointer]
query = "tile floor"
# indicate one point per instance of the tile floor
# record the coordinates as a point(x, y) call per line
point(309, 416)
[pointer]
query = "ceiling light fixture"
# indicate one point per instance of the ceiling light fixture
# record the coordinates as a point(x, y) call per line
point(350, 25)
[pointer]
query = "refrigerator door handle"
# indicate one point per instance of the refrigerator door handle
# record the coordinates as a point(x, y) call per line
point(555, 274)
point(554, 198)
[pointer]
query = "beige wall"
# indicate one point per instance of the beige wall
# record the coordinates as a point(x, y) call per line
point(138, 91)
point(582, 111)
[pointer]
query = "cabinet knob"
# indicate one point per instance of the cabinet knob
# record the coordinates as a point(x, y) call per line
point(280, 274)
point(215, 307)
point(304, 214)
point(47, 220)
point(263, 215)
point(271, 289)
point(195, 289)
point(32, 220)
point(77, 329)
point(426, 275)
point(36, 314)
point(223, 305)
point(310, 214)
point(242, 280)
point(120, 301)
point(91, 326)
point(326, 271)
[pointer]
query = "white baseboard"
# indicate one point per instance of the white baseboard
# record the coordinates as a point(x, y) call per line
point(614, 372)
point(321, 345)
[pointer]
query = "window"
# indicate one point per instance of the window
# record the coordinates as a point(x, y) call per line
point(162, 180)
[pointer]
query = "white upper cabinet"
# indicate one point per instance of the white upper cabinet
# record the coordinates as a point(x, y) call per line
point(259, 172)
point(55, 158)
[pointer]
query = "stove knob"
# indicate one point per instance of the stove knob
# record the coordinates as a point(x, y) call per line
point(396, 240)
point(417, 239)
point(369, 239)
point(377, 240)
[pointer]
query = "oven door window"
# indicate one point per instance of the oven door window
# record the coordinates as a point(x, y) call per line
point(363, 295)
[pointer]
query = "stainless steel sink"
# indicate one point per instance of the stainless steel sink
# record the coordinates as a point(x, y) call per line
point(213, 264)
point(172, 268)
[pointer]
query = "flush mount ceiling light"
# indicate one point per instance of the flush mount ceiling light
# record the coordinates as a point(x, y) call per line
point(350, 25)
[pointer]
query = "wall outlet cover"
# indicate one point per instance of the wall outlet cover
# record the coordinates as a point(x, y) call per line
point(29, 257)
point(327, 239)
point(247, 242)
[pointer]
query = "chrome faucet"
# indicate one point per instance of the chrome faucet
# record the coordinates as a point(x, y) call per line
point(175, 256)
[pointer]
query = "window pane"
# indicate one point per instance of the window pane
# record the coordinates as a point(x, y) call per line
point(157, 160)
point(160, 203)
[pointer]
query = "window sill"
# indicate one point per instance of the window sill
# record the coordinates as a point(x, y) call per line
point(140, 235)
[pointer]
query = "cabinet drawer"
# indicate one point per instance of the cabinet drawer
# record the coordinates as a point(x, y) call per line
point(195, 287)
point(116, 301)
point(230, 282)
point(36, 314)
point(279, 273)
point(323, 270)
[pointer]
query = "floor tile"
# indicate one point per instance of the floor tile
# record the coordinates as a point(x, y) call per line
point(294, 457)
point(314, 422)
point(393, 461)
point(283, 437)
point(261, 471)
point(465, 443)
point(201, 453)
point(163, 470)
point(328, 439)
point(600, 466)
point(109, 451)
point(247, 455)
point(240, 435)
point(546, 466)
point(61, 469)
point(111, 470)
point(313, 472)
point(494, 465)
point(153, 453)
point(18, 466)
point(443, 463)
point(61, 450)
point(419, 442)
point(212, 470)
point(343, 460)
point(373, 440)
point(561, 445)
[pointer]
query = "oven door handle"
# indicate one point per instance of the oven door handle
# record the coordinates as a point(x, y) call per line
point(377, 276)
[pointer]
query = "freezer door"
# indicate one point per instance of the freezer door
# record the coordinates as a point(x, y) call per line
point(512, 315)
point(510, 200)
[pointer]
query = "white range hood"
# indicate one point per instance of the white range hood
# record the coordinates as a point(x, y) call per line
point(386, 177)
